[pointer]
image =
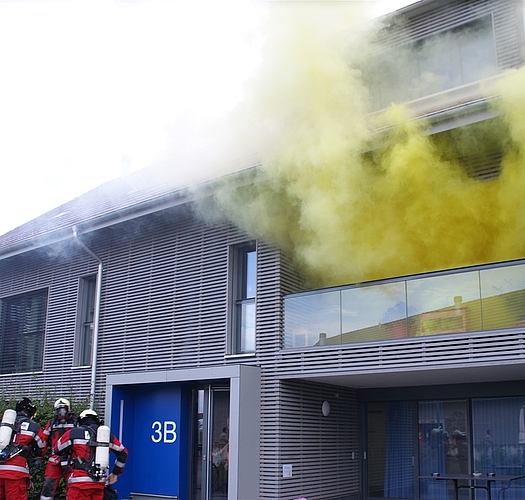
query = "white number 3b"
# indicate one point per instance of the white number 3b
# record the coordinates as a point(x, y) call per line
point(164, 431)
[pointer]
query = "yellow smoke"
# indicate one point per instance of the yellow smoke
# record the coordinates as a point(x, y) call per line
point(349, 212)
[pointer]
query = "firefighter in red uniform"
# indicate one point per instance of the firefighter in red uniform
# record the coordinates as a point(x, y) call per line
point(27, 442)
point(85, 479)
point(62, 420)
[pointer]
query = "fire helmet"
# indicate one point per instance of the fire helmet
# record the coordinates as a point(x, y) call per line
point(26, 406)
point(88, 414)
point(62, 403)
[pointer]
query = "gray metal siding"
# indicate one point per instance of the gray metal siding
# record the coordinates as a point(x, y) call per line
point(318, 448)
point(58, 270)
point(411, 353)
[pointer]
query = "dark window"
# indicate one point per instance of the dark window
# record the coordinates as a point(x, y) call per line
point(244, 260)
point(23, 319)
point(86, 315)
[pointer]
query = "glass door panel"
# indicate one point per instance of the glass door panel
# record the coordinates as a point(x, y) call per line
point(498, 435)
point(390, 456)
point(443, 445)
point(211, 443)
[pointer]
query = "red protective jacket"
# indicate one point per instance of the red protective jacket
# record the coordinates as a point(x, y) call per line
point(75, 443)
point(55, 429)
point(28, 437)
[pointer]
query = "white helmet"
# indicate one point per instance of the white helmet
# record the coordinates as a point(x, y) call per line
point(88, 413)
point(62, 403)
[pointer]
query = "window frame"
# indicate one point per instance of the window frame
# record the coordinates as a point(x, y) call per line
point(26, 332)
point(87, 286)
point(240, 298)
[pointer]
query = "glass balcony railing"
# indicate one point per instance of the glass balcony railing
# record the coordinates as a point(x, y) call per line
point(461, 301)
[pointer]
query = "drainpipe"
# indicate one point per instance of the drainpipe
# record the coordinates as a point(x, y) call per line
point(96, 315)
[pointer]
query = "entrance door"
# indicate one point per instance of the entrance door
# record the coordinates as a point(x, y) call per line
point(211, 442)
point(443, 445)
point(390, 450)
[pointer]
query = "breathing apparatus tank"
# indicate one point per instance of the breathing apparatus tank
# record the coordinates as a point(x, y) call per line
point(102, 449)
point(6, 429)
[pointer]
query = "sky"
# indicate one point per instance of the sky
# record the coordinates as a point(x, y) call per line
point(91, 89)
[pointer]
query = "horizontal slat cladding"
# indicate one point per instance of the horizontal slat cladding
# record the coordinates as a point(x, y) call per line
point(174, 299)
point(321, 460)
point(411, 353)
point(57, 269)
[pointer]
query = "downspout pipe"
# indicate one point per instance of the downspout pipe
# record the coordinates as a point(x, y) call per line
point(96, 316)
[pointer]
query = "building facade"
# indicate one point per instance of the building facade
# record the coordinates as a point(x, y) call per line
point(226, 379)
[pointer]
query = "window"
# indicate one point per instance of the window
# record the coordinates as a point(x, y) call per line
point(243, 267)
point(454, 57)
point(86, 315)
point(22, 326)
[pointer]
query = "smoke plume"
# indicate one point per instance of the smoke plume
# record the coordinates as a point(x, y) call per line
point(350, 204)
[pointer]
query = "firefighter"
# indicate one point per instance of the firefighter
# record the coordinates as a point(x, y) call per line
point(86, 478)
point(62, 420)
point(27, 443)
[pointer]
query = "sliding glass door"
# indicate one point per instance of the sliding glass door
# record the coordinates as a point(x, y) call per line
point(498, 436)
point(408, 439)
point(443, 445)
point(390, 456)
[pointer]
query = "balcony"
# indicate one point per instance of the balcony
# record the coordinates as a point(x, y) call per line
point(477, 299)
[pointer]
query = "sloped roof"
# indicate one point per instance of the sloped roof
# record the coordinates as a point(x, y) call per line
point(133, 195)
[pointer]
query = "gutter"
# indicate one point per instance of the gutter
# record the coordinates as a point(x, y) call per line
point(96, 316)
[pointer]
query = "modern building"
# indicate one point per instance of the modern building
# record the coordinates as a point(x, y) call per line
point(225, 378)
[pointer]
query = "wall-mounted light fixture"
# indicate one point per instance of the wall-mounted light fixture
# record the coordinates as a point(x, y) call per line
point(325, 408)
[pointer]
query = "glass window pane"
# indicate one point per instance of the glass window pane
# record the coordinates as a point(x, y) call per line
point(503, 297)
point(374, 312)
point(498, 431)
point(22, 332)
point(312, 319)
point(443, 445)
point(444, 304)
point(247, 328)
point(478, 50)
point(251, 266)
point(391, 450)
point(440, 64)
point(86, 311)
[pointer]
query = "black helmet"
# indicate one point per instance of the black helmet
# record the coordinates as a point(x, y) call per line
point(26, 406)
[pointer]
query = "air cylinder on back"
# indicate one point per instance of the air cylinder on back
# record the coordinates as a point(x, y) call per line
point(102, 450)
point(6, 429)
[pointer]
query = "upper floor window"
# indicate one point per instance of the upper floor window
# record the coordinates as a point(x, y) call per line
point(85, 315)
point(438, 62)
point(22, 327)
point(243, 267)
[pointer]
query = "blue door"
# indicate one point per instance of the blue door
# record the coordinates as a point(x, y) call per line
point(152, 421)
